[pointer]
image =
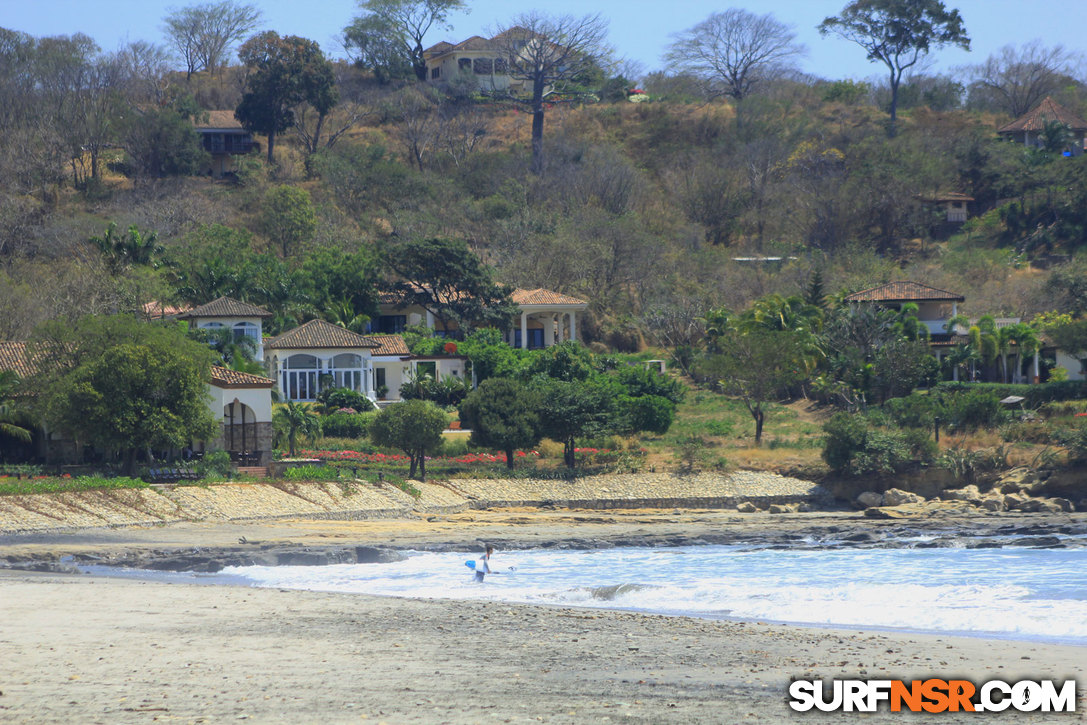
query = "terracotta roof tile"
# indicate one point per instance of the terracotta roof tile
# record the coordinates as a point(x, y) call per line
point(227, 378)
point(904, 292)
point(161, 310)
point(13, 357)
point(1036, 118)
point(319, 334)
point(543, 297)
point(219, 119)
point(226, 307)
point(390, 345)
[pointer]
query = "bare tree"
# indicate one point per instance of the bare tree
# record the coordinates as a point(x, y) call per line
point(1017, 79)
point(204, 34)
point(417, 109)
point(735, 51)
point(146, 67)
point(548, 53)
point(462, 127)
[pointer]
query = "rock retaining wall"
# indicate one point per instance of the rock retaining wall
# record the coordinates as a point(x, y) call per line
point(355, 501)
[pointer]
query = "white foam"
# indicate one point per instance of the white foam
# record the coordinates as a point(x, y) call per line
point(1024, 593)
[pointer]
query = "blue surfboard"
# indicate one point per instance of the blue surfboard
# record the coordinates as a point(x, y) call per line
point(471, 563)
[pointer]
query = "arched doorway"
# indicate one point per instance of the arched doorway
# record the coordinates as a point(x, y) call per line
point(240, 433)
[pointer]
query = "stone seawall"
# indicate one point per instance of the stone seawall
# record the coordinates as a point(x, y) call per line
point(361, 501)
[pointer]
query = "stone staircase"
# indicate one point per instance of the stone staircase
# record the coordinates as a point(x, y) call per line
point(253, 471)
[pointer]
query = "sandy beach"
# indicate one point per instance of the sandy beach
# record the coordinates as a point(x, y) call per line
point(78, 648)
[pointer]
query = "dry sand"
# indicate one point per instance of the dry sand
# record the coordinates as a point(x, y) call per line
point(82, 649)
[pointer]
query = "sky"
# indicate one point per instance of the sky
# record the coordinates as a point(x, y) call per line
point(639, 30)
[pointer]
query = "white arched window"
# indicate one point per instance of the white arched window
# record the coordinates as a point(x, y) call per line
point(348, 371)
point(247, 329)
point(298, 378)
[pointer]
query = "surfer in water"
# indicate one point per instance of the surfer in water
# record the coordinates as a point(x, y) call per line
point(483, 564)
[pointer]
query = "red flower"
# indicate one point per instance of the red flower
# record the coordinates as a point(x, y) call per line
point(450, 348)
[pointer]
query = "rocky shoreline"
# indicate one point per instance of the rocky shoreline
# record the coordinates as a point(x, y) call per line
point(205, 529)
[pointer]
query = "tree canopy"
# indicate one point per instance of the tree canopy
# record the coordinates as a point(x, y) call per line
point(389, 37)
point(413, 426)
point(502, 413)
point(898, 33)
point(284, 72)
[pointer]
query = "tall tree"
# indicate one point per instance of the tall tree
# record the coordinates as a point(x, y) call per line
point(897, 33)
point(502, 414)
point(203, 34)
point(11, 419)
point(1017, 79)
point(124, 386)
point(734, 51)
point(444, 277)
point(758, 366)
point(283, 72)
point(390, 34)
point(413, 426)
point(548, 53)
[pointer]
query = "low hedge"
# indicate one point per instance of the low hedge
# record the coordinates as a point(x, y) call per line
point(1034, 395)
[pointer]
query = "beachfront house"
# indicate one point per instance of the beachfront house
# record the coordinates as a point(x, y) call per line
point(241, 402)
point(1029, 129)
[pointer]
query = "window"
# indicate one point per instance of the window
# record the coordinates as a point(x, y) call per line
point(379, 379)
point(464, 65)
point(298, 379)
point(247, 329)
point(535, 338)
point(347, 371)
point(483, 66)
point(435, 72)
point(426, 368)
point(390, 324)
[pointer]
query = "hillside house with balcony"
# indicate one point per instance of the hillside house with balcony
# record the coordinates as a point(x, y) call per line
point(223, 137)
point(241, 318)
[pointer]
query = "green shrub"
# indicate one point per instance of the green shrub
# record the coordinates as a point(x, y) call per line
point(915, 410)
point(311, 473)
point(336, 398)
point(453, 447)
point(852, 447)
point(975, 409)
point(346, 425)
point(215, 463)
point(650, 413)
point(846, 434)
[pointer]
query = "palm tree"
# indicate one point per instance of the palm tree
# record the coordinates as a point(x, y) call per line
point(10, 418)
point(297, 418)
point(1025, 340)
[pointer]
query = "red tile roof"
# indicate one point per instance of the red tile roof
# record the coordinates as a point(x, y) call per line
point(161, 310)
point(13, 357)
point(543, 297)
point(226, 307)
point(319, 334)
point(390, 345)
point(227, 378)
point(1045, 112)
point(904, 292)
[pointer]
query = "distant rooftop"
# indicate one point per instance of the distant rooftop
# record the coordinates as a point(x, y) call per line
point(904, 292)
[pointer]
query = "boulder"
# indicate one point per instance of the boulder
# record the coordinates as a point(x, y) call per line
point(992, 501)
point(747, 507)
point(1017, 479)
point(377, 555)
point(870, 499)
point(806, 508)
point(1016, 500)
point(970, 494)
point(897, 497)
point(1064, 503)
point(784, 508)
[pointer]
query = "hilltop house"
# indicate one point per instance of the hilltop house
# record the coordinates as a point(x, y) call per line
point(484, 62)
point(1029, 127)
point(223, 137)
point(952, 204)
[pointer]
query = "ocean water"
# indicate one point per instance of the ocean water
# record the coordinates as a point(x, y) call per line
point(1032, 594)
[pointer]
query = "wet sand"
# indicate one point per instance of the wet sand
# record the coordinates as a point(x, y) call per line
point(105, 650)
